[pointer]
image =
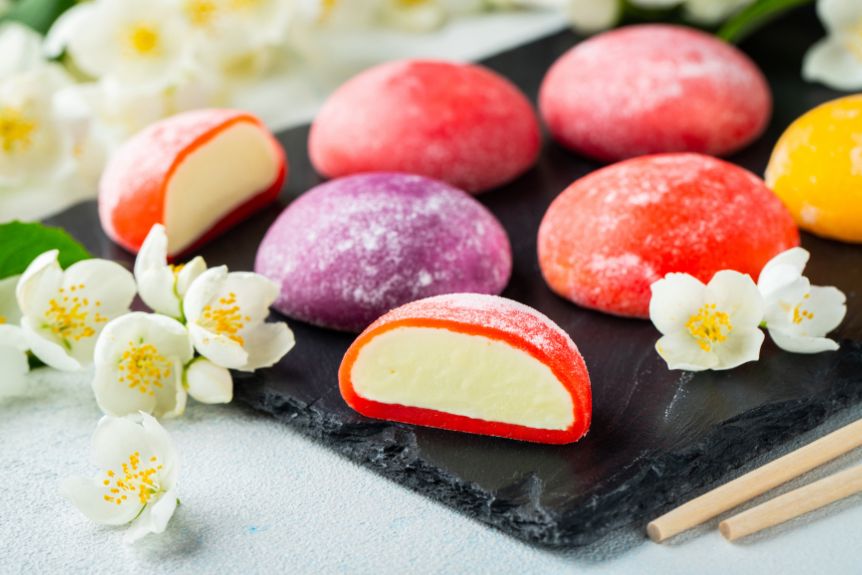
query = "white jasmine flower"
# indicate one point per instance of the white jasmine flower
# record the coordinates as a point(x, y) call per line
point(137, 479)
point(589, 16)
point(13, 349)
point(226, 315)
point(32, 142)
point(129, 42)
point(799, 315)
point(64, 311)
point(710, 12)
point(208, 382)
point(713, 326)
point(140, 361)
point(837, 59)
point(162, 286)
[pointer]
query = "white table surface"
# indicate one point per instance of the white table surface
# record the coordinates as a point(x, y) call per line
point(258, 497)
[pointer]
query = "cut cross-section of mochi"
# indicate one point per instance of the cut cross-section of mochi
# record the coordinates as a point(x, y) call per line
point(474, 363)
point(198, 173)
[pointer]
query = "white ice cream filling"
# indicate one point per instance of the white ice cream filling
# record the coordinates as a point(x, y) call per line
point(469, 375)
point(215, 179)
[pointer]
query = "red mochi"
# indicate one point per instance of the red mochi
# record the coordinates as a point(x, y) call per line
point(492, 324)
point(654, 88)
point(460, 123)
point(614, 232)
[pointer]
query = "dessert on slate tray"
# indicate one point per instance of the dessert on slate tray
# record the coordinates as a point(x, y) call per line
point(469, 362)
point(350, 250)
point(460, 123)
point(614, 232)
point(654, 88)
point(198, 173)
point(816, 169)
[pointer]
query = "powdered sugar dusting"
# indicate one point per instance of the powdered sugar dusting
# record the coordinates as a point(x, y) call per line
point(350, 250)
point(614, 232)
point(654, 88)
point(495, 312)
point(459, 123)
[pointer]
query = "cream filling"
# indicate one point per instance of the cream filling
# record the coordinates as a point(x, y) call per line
point(215, 179)
point(468, 375)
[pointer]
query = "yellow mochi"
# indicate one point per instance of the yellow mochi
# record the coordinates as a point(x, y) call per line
point(816, 169)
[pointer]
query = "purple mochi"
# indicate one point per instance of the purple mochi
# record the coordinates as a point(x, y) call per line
point(349, 250)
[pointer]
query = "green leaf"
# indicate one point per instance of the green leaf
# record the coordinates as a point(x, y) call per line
point(755, 16)
point(37, 14)
point(21, 243)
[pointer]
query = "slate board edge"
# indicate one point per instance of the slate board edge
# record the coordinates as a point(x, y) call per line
point(518, 513)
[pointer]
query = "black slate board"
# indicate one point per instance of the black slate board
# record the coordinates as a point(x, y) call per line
point(657, 438)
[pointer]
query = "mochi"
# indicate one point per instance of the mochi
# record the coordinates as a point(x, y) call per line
point(654, 88)
point(351, 249)
point(474, 363)
point(614, 232)
point(199, 173)
point(816, 169)
point(459, 123)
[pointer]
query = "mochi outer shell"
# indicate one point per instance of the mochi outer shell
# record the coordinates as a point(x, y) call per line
point(459, 123)
point(614, 232)
point(654, 88)
point(351, 249)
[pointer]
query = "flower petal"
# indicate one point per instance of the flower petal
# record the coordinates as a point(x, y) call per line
point(89, 497)
point(9, 310)
point(116, 398)
point(153, 519)
point(674, 299)
point(254, 293)
point(202, 290)
point(840, 15)
point(741, 346)
point(105, 281)
point(115, 439)
point(46, 349)
point(155, 279)
point(681, 351)
point(267, 344)
point(828, 304)
point(209, 383)
point(801, 344)
point(189, 274)
point(830, 62)
point(39, 283)
point(163, 446)
point(736, 295)
point(13, 362)
point(783, 269)
point(219, 349)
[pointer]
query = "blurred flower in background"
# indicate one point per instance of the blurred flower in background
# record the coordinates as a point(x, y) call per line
point(837, 59)
point(107, 68)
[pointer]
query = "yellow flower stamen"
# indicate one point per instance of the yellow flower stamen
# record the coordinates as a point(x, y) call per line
point(72, 317)
point(709, 326)
point(143, 367)
point(225, 318)
point(143, 39)
point(16, 131)
point(244, 4)
point(2, 320)
point(799, 314)
point(176, 268)
point(200, 13)
point(136, 480)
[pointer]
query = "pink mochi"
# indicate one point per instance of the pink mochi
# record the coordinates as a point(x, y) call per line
point(349, 250)
point(654, 88)
point(459, 123)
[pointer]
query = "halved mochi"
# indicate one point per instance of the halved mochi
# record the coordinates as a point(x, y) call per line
point(198, 173)
point(470, 362)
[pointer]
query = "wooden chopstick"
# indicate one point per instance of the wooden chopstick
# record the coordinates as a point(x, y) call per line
point(793, 504)
point(756, 482)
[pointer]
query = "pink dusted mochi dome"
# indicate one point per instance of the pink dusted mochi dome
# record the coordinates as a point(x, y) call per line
point(614, 232)
point(460, 123)
point(349, 250)
point(654, 88)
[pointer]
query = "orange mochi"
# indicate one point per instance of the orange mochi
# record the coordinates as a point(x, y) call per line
point(198, 173)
